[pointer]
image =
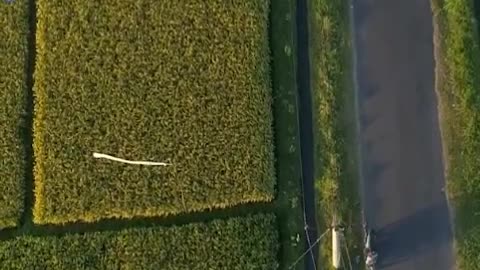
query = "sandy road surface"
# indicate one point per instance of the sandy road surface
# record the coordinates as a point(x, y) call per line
point(401, 156)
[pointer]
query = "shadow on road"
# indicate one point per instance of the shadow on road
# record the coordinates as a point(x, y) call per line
point(476, 5)
point(413, 235)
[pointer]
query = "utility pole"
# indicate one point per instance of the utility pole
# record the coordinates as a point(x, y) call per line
point(337, 235)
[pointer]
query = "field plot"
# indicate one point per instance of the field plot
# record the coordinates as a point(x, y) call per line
point(238, 243)
point(13, 46)
point(186, 82)
point(458, 81)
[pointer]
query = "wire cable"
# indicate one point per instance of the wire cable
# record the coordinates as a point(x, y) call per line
point(309, 249)
point(348, 253)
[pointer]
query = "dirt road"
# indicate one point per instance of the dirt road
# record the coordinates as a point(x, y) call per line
point(400, 148)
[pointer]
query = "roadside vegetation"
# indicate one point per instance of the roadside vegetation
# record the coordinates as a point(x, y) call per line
point(334, 123)
point(13, 46)
point(238, 243)
point(458, 85)
point(187, 82)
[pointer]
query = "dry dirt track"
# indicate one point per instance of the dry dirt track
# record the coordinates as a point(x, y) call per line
point(400, 149)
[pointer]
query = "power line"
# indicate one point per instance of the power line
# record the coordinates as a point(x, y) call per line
point(310, 248)
point(348, 253)
point(304, 208)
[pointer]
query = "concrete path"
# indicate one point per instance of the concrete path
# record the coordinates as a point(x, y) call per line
point(401, 155)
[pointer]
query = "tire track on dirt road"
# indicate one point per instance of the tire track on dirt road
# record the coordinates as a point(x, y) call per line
point(400, 148)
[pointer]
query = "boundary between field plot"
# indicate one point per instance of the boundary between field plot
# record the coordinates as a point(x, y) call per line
point(27, 125)
point(116, 224)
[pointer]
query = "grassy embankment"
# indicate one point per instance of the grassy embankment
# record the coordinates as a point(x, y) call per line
point(458, 84)
point(334, 122)
point(287, 149)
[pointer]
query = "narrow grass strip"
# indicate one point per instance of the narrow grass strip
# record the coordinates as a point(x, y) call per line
point(334, 126)
point(458, 86)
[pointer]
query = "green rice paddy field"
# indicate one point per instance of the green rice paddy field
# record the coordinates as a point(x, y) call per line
point(205, 86)
point(13, 45)
point(238, 243)
point(184, 82)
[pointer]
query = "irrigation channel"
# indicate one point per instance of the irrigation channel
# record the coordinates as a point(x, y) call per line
point(402, 179)
point(306, 131)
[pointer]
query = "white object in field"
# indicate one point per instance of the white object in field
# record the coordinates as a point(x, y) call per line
point(146, 163)
point(336, 247)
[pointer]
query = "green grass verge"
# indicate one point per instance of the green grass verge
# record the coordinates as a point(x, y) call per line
point(287, 149)
point(13, 45)
point(186, 82)
point(334, 123)
point(458, 86)
point(238, 243)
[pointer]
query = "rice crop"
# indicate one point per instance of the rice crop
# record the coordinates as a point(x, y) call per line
point(13, 48)
point(239, 243)
point(185, 82)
